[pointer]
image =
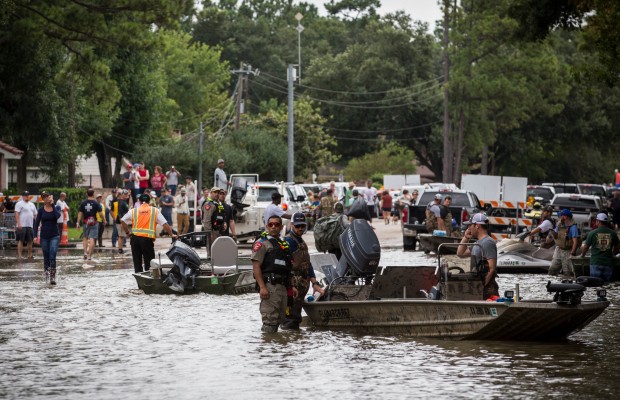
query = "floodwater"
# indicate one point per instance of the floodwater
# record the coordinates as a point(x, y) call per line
point(95, 335)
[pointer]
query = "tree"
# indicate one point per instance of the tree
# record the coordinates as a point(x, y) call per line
point(390, 159)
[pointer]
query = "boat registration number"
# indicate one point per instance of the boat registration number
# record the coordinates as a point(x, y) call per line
point(214, 280)
point(335, 313)
point(492, 311)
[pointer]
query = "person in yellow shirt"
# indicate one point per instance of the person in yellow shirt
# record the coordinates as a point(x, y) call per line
point(144, 220)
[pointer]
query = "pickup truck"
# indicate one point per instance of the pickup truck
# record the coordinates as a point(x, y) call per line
point(584, 208)
point(464, 204)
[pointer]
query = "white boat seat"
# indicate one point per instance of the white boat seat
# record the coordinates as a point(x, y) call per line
point(224, 255)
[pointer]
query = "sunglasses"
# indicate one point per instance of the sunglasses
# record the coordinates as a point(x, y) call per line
point(300, 226)
point(274, 224)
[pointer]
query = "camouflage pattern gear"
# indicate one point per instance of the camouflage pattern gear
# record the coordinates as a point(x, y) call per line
point(272, 309)
point(431, 220)
point(447, 221)
point(299, 280)
point(563, 241)
point(561, 262)
point(327, 206)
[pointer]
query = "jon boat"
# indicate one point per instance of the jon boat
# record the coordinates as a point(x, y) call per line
point(582, 267)
point(183, 271)
point(430, 243)
point(442, 301)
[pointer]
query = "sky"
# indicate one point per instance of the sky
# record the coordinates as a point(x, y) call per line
point(424, 10)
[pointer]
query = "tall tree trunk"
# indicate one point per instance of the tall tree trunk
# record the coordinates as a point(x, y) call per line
point(104, 164)
point(484, 164)
point(459, 145)
point(447, 149)
point(71, 181)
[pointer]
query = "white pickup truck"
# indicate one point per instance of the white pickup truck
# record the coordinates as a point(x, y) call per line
point(584, 208)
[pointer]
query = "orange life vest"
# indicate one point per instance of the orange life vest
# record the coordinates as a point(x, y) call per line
point(144, 220)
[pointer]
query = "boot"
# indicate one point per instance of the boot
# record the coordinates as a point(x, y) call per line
point(47, 276)
point(52, 274)
point(270, 328)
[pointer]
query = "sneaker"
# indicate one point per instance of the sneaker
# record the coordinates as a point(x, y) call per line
point(121, 251)
point(85, 257)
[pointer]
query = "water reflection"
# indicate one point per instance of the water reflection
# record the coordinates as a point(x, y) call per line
point(97, 335)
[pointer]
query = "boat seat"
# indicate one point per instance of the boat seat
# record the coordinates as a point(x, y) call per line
point(224, 255)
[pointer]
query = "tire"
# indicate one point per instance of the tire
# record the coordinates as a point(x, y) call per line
point(409, 243)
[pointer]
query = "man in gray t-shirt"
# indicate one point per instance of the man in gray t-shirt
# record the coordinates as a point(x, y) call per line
point(219, 176)
point(485, 252)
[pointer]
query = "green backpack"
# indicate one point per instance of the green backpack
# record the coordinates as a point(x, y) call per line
point(327, 231)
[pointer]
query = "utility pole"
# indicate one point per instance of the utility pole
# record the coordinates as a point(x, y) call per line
point(290, 170)
point(299, 29)
point(199, 189)
point(241, 91)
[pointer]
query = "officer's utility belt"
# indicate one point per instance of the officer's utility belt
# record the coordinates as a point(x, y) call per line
point(276, 279)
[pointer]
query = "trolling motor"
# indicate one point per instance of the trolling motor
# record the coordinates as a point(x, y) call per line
point(571, 293)
point(186, 266)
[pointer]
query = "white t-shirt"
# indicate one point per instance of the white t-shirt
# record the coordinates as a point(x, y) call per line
point(271, 210)
point(545, 226)
point(27, 213)
point(369, 195)
point(219, 179)
point(136, 182)
point(63, 206)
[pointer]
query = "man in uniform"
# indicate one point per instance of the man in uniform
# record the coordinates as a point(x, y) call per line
point(229, 218)
point(326, 206)
point(271, 264)
point(302, 271)
point(605, 244)
point(567, 237)
point(485, 252)
point(212, 215)
point(143, 220)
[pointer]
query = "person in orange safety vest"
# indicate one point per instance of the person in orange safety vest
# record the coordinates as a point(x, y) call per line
point(144, 220)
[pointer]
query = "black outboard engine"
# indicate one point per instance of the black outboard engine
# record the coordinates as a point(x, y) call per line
point(571, 293)
point(361, 250)
point(186, 266)
point(237, 193)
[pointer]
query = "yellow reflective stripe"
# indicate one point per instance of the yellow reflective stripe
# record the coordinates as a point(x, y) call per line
point(148, 232)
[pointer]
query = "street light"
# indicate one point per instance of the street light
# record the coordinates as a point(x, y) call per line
point(300, 29)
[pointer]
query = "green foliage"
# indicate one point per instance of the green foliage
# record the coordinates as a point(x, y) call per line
point(75, 196)
point(391, 159)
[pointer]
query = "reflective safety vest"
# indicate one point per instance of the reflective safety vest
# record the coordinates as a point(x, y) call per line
point(144, 220)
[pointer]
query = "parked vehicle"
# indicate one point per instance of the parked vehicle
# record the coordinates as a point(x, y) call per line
point(540, 193)
point(464, 204)
point(584, 208)
point(593, 189)
point(563, 187)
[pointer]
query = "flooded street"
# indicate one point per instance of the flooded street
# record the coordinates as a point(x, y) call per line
point(97, 335)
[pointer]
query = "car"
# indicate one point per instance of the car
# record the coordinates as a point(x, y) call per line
point(593, 189)
point(540, 193)
point(563, 187)
point(341, 188)
point(583, 207)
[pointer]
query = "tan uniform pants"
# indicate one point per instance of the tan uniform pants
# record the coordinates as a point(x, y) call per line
point(272, 310)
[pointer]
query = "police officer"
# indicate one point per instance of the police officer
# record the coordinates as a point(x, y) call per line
point(143, 220)
point(271, 264)
point(212, 214)
point(302, 271)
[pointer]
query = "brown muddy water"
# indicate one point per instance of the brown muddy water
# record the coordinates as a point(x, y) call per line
point(96, 336)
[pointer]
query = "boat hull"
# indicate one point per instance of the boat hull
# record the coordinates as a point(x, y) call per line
point(523, 321)
point(430, 243)
point(582, 267)
point(237, 283)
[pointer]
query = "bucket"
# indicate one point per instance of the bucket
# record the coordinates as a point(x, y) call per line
point(156, 273)
point(438, 232)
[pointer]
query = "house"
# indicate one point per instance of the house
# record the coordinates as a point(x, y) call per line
point(7, 152)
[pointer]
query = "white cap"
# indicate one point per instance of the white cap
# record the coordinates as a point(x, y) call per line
point(601, 217)
point(478, 218)
point(438, 196)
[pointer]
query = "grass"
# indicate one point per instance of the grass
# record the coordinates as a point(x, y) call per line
point(74, 234)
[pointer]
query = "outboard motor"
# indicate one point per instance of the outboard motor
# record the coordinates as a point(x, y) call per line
point(186, 266)
point(237, 193)
point(568, 292)
point(361, 250)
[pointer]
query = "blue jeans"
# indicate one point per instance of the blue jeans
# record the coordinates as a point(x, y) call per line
point(173, 189)
point(50, 248)
point(167, 214)
point(114, 235)
point(601, 271)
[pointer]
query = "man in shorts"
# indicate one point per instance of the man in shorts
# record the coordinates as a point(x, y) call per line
point(88, 211)
point(25, 215)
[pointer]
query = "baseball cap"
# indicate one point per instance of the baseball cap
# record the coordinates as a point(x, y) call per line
point(276, 195)
point(26, 193)
point(124, 192)
point(549, 209)
point(298, 219)
point(221, 160)
point(136, 165)
point(145, 197)
point(438, 196)
point(99, 195)
point(478, 219)
point(215, 189)
point(44, 194)
point(566, 212)
point(183, 190)
point(351, 184)
point(601, 217)
point(129, 166)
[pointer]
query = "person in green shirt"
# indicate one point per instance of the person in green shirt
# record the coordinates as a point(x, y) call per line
point(348, 195)
point(605, 245)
